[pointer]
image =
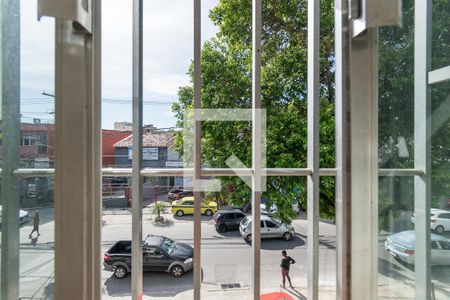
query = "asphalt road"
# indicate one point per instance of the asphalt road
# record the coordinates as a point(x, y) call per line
point(226, 259)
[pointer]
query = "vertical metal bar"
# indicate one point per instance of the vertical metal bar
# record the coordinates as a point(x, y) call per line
point(313, 147)
point(256, 151)
point(77, 228)
point(364, 143)
point(197, 150)
point(136, 253)
point(10, 91)
point(422, 138)
point(343, 150)
point(96, 138)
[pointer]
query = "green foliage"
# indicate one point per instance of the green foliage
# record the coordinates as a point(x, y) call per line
point(159, 208)
point(226, 83)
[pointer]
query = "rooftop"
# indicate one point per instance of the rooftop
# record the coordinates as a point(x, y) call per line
point(149, 139)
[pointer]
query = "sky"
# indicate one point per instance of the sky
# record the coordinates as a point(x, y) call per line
point(168, 51)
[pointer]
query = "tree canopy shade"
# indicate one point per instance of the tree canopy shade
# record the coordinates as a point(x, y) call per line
point(226, 83)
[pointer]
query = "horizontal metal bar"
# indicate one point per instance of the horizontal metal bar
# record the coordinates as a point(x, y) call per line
point(327, 172)
point(149, 172)
point(33, 172)
point(439, 75)
point(400, 172)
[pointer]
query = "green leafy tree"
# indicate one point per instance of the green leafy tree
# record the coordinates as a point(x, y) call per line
point(226, 83)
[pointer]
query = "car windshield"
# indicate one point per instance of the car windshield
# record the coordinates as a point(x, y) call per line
point(168, 245)
point(276, 222)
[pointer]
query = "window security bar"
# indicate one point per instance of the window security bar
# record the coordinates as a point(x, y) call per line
point(439, 75)
point(148, 172)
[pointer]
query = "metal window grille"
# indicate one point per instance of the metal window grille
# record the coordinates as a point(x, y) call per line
point(350, 47)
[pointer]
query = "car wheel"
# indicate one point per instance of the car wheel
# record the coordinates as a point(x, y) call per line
point(180, 213)
point(120, 272)
point(222, 228)
point(287, 236)
point(439, 229)
point(248, 238)
point(177, 271)
point(208, 212)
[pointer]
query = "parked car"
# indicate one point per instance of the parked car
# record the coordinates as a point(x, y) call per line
point(440, 220)
point(401, 245)
point(24, 217)
point(185, 206)
point(270, 228)
point(178, 193)
point(228, 219)
point(160, 254)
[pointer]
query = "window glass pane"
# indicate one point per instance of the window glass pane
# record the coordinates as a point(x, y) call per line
point(440, 37)
point(327, 239)
point(440, 143)
point(396, 93)
point(226, 256)
point(289, 233)
point(396, 277)
point(37, 132)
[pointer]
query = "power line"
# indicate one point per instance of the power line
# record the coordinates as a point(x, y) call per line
point(40, 100)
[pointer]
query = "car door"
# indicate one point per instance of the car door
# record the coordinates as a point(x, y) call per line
point(154, 259)
point(148, 258)
point(444, 219)
point(227, 219)
point(188, 207)
point(272, 229)
point(162, 260)
point(237, 219)
point(264, 232)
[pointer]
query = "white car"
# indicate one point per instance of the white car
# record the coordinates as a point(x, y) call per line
point(270, 228)
point(440, 220)
point(401, 245)
point(23, 216)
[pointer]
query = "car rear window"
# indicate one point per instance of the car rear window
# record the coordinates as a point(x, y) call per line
point(245, 221)
point(121, 247)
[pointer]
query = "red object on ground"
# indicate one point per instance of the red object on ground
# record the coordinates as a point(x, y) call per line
point(276, 296)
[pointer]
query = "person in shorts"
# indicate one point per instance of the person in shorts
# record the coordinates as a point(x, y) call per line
point(286, 262)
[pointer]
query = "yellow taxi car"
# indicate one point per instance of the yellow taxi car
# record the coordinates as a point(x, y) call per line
point(185, 206)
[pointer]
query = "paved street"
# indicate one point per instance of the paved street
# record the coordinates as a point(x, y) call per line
point(226, 259)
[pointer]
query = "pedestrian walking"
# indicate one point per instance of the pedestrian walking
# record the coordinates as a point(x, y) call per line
point(36, 222)
point(286, 262)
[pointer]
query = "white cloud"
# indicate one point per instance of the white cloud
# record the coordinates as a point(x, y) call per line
point(167, 84)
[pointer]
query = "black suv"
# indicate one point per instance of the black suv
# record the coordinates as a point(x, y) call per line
point(160, 254)
point(227, 219)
